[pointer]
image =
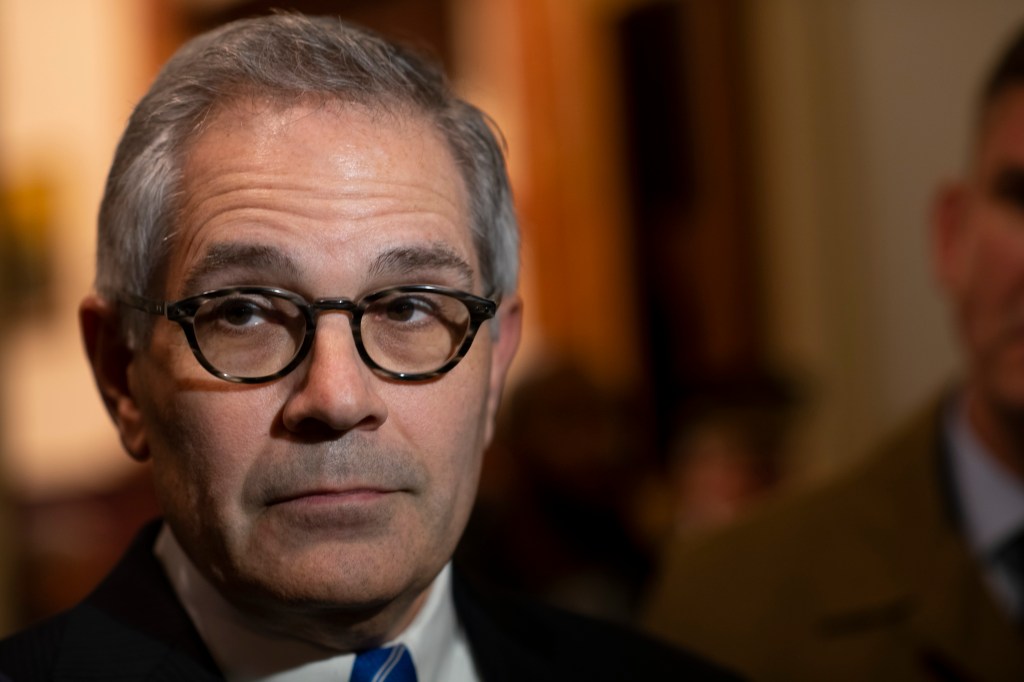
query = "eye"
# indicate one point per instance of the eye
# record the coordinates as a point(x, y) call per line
point(1009, 187)
point(241, 312)
point(409, 309)
point(238, 313)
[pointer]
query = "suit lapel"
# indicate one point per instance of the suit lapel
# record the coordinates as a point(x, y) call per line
point(920, 577)
point(498, 656)
point(133, 623)
point(97, 644)
point(958, 625)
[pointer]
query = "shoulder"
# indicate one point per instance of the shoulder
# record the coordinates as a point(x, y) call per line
point(823, 523)
point(514, 638)
point(30, 654)
point(130, 627)
point(89, 641)
point(806, 553)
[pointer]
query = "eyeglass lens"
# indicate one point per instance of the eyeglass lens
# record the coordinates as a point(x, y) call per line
point(258, 334)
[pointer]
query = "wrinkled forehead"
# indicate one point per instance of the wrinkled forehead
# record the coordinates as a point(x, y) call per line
point(317, 172)
point(317, 121)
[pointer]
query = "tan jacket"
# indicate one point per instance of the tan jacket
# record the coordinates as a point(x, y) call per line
point(864, 578)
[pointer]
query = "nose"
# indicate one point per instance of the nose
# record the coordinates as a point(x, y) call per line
point(337, 392)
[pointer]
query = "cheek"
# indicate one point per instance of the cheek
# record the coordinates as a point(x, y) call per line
point(993, 273)
point(448, 428)
point(202, 444)
point(446, 422)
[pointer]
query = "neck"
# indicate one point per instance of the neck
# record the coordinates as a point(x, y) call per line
point(334, 628)
point(1000, 428)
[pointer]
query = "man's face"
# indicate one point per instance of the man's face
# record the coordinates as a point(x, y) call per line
point(980, 257)
point(333, 488)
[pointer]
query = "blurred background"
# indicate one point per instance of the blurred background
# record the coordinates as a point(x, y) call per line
point(724, 207)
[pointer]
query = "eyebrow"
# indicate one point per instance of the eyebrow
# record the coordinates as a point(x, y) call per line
point(412, 259)
point(405, 260)
point(234, 255)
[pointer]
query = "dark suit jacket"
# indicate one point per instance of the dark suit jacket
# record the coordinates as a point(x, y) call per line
point(864, 578)
point(133, 628)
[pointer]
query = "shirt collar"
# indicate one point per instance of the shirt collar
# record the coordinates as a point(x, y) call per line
point(246, 654)
point(990, 498)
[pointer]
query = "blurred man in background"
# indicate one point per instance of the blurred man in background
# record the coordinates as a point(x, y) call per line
point(912, 566)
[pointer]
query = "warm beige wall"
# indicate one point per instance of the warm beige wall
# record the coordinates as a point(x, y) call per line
point(68, 73)
point(863, 107)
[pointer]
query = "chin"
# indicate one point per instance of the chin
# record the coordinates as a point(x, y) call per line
point(340, 577)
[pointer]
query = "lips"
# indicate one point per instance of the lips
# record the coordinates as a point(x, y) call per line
point(353, 494)
point(350, 512)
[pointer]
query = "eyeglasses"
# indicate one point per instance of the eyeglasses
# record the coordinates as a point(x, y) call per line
point(252, 334)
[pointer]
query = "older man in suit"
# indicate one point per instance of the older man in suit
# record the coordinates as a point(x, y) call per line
point(304, 312)
point(912, 566)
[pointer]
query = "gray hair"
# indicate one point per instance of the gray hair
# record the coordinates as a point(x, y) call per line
point(287, 57)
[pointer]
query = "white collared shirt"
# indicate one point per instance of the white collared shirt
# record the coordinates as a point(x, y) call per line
point(435, 639)
point(991, 502)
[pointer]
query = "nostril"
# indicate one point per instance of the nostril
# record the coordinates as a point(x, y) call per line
point(317, 428)
point(311, 430)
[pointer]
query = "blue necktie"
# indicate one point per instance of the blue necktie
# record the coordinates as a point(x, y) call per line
point(389, 664)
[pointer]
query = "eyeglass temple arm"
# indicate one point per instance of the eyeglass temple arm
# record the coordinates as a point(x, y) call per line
point(143, 304)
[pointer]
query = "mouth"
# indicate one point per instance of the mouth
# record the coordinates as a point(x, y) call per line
point(329, 496)
point(358, 509)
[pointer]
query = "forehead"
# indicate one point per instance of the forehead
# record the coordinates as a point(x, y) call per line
point(324, 183)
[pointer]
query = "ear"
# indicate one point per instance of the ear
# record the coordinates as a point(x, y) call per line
point(503, 349)
point(949, 235)
point(111, 359)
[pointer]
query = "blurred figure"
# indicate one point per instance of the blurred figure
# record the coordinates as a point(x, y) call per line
point(728, 455)
point(715, 476)
point(558, 488)
point(911, 567)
